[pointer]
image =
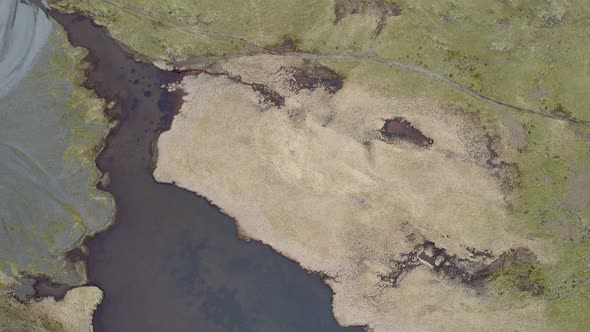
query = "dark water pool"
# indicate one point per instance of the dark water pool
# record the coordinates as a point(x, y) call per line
point(172, 261)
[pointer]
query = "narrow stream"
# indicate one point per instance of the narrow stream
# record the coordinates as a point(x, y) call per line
point(172, 261)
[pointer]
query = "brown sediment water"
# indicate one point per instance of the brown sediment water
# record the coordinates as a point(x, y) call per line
point(171, 261)
point(45, 287)
point(311, 78)
point(399, 128)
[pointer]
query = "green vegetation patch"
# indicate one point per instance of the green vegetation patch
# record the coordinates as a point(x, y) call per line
point(49, 195)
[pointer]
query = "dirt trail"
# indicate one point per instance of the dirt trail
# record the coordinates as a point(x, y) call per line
point(397, 64)
point(260, 49)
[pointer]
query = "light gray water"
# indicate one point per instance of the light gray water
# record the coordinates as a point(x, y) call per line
point(24, 29)
point(48, 200)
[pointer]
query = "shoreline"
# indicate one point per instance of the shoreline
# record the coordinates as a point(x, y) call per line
point(529, 118)
point(104, 157)
point(337, 213)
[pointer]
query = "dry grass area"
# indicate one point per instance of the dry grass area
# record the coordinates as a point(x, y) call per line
point(72, 314)
point(315, 180)
point(75, 311)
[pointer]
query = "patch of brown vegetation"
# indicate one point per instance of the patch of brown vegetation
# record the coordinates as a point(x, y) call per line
point(384, 8)
point(400, 129)
point(268, 96)
point(313, 77)
point(288, 44)
point(473, 273)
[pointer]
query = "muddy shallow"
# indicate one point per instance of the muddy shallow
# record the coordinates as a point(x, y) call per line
point(172, 261)
point(401, 129)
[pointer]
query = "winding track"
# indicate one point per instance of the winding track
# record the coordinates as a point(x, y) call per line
point(391, 63)
point(257, 49)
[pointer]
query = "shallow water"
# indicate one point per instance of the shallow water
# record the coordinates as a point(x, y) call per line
point(48, 200)
point(24, 29)
point(399, 128)
point(172, 261)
